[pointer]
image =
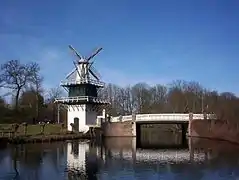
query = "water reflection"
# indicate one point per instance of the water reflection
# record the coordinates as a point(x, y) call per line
point(161, 136)
point(160, 140)
point(117, 158)
point(83, 160)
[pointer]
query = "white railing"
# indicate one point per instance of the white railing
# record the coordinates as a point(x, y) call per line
point(127, 118)
point(121, 118)
point(162, 117)
point(82, 81)
point(80, 98)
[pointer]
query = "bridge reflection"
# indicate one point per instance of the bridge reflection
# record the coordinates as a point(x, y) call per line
point(126, 148)
point(171, 136)
point(94, 159)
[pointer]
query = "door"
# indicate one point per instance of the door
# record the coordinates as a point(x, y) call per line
point(76, 124)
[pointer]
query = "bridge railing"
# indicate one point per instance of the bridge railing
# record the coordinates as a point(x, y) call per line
point(127, 118)
point(121, 118)
point(161, 117)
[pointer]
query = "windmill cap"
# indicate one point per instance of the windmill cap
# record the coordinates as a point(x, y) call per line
point(83, 61)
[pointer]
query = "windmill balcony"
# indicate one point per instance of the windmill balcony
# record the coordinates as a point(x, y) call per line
point(83, 81)
point(80, 99)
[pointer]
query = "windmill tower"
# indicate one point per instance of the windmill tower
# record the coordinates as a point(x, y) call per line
point(82, 85)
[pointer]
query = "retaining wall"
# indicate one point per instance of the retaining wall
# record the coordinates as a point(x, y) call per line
point(119, 129)
point(214, 129)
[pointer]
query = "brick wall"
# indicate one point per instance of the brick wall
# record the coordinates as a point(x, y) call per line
point(119, 129)
point(215, 129)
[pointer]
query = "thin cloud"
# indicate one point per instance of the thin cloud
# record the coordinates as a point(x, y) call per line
point(123, 78)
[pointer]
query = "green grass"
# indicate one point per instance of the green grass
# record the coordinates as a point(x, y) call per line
point(33, 129)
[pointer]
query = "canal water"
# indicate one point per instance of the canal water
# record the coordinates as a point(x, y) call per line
point(160, 157)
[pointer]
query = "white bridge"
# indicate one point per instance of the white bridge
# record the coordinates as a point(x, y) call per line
point(167, 117)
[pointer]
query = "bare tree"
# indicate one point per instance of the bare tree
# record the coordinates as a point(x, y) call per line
point(16, 76)
point(141, 97)
point(54, 93)
point(36, 85)
point(175, 97)
point(30, 103)
point(158, 98)
point(35, 81)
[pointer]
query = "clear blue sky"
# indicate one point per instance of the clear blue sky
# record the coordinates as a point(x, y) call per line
point(153, 41)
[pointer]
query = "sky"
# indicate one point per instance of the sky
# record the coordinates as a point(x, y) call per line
point(152, 41)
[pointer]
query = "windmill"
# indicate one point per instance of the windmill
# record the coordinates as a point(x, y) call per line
point(83, 65)
point(83, 100)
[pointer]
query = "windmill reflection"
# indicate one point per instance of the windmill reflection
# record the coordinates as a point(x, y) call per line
point(83, 160)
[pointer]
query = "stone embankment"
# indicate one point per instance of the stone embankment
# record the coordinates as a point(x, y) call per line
point(119, 129)
point(214, 129)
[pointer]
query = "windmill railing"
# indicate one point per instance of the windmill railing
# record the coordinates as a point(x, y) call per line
point(83, 81)
point(80, 99)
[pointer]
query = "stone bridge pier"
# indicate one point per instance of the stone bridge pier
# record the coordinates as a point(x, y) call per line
point(120, 128)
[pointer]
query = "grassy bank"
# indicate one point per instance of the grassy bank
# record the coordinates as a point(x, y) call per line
point(31, 130)
point(22, 133)
point(46, 138)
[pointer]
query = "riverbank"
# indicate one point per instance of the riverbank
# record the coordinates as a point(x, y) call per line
point(44, 138)
point(20, 134)
point(215, 129)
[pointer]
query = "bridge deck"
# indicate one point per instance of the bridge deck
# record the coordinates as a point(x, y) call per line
point(162, 118)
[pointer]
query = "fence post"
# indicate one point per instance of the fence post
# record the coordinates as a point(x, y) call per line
point(108, 118)
point(120, 118)
point(205, 116)
point(133, 117)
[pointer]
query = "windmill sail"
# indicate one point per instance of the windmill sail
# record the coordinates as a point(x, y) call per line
point(75, 52)
point(94, 54)
point(68, 75)
point(83, 71)
point(76, 69)
point(95, 72)
point(72, 76)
